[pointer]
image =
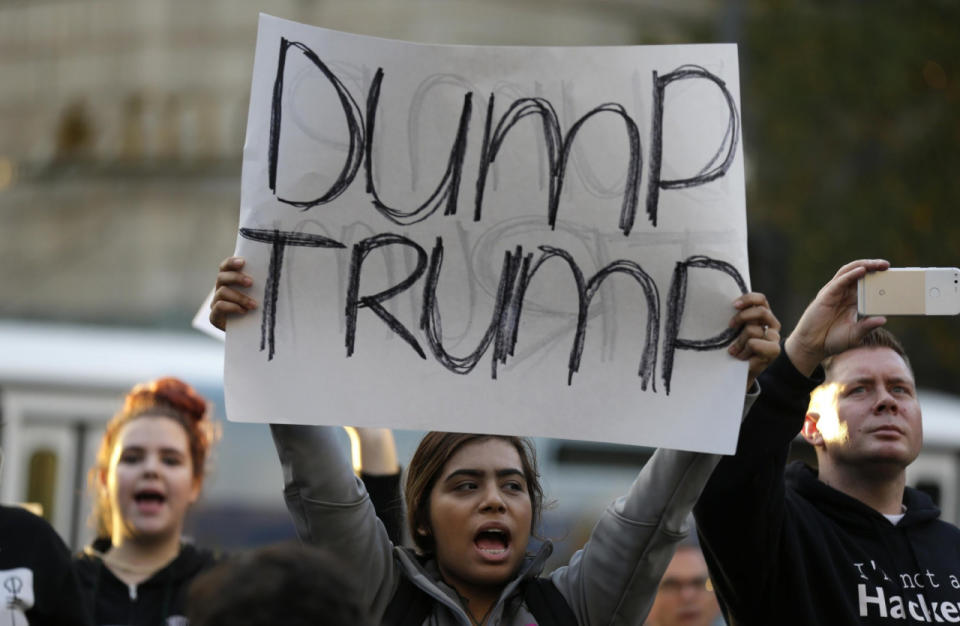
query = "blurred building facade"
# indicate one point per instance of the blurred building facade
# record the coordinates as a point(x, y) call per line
point(123, 125)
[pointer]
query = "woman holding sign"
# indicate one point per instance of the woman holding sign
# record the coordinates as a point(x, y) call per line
point(474, 501)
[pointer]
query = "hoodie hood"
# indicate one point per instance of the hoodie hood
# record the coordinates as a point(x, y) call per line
point(849, 511)
point(425, 574)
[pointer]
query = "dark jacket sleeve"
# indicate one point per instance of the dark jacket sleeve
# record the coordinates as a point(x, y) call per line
point(741, 512)
point(387, 502)
point(57, 597)
point(70, 607)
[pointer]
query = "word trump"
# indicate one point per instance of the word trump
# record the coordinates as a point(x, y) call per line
point(517, 272)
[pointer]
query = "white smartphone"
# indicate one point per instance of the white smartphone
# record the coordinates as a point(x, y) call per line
point(910, 291)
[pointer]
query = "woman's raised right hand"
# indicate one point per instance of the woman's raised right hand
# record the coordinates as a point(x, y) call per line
point(228, 299)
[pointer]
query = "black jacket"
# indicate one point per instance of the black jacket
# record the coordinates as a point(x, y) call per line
point(786, 549)
point(158, 601)
point(36, 578)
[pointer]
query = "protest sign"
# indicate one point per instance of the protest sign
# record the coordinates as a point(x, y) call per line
point(516, 240)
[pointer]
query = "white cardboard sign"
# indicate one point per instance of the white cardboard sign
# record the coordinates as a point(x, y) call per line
point(515, 240)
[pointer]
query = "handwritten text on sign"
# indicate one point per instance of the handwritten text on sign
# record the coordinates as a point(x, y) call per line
point(518, 240)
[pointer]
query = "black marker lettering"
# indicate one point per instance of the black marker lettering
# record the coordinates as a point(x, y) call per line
point(430, 321)
point(656, 132)
point(675, 304)
point(278, 241)
point(558, 152)
point(447, 192)
point(586, 290)
point(521, 108)
point(354, 120)
point(356, 302)
point(631, 189)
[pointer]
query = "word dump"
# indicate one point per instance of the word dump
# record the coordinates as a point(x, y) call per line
point(519, 267)
point(360, 129)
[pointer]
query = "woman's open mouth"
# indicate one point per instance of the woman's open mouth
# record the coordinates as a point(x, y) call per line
point(149, 500)
point(493, 543)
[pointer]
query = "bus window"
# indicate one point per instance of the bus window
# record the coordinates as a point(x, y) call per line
point(42, 481)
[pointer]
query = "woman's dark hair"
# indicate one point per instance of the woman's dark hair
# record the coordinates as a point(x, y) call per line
point(428, 461)
point(163, 397)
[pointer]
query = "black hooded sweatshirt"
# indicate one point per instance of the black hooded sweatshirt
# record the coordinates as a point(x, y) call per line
point(161, 600)
point(786, 549)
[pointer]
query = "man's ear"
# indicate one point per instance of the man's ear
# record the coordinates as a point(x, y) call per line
point(810, 431)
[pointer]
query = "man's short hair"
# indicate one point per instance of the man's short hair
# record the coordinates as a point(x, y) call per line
point(876, 338)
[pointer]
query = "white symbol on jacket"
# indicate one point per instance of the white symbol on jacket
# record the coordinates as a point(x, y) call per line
point(17, 589)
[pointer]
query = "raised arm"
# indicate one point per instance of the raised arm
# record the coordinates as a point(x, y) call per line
point(740, 516)
point(614, 578)
point(374, 455)
point(331, 509)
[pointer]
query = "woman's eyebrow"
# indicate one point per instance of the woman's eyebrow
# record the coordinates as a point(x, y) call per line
point(473, 473)
point(476, 473)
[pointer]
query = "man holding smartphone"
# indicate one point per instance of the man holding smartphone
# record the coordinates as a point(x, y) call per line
point(849, 543)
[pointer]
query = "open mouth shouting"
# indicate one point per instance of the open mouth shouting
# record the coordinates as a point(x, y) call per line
point(149, 500)
point(493, 542)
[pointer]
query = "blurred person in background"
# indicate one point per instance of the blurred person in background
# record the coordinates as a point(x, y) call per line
point(685, 596)
point(288, 584)
point(38, 585)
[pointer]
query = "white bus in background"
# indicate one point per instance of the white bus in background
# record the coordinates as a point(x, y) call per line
point(60, 384)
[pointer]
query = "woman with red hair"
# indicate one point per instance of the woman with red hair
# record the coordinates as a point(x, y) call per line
point(149, 471)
